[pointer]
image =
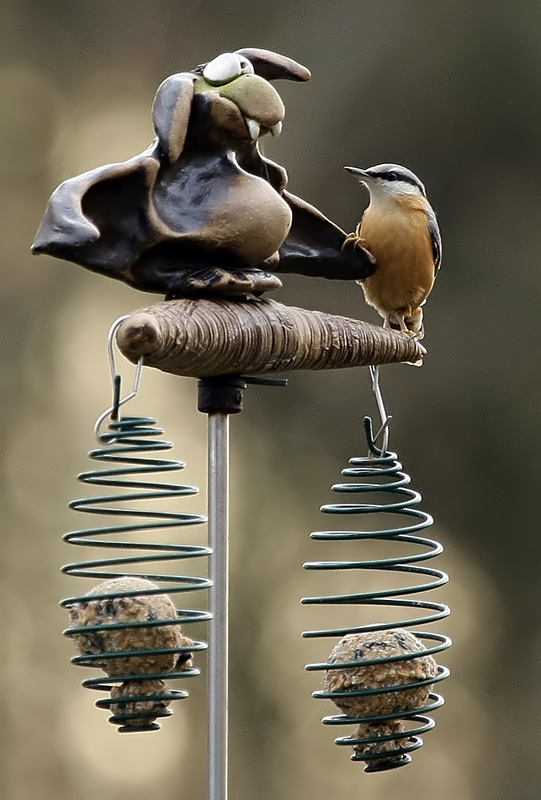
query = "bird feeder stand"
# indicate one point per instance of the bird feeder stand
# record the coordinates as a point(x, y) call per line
point(159, 223)
point(181, 337)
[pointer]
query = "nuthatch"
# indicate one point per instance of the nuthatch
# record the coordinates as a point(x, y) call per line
point(399, 228)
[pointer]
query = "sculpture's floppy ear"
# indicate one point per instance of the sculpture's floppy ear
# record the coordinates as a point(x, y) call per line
point(171, 112)
point(272, 66)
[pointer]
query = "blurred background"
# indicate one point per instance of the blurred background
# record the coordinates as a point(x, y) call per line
point(450, 90)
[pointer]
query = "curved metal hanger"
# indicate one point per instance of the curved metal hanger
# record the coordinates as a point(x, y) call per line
point(118, 401)
point(384, 417)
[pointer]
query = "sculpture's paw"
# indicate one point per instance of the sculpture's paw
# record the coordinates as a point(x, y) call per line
point(221, 281)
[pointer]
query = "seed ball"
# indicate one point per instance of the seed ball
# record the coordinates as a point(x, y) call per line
point(364, 647)
point(389, 750)
point(150, 708)
point(129, 610)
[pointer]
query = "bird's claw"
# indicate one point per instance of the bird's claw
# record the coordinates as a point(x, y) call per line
point(352, 241)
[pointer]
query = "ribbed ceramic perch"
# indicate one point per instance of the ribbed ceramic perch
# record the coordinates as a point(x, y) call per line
point(205, 337)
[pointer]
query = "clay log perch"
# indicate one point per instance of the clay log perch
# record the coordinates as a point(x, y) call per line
point(206, 337)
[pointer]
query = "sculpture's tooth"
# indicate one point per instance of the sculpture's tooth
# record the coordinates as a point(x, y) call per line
point(276, 130)
point(253, 127)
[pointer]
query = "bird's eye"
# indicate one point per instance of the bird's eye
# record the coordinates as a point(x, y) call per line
point(392, 176)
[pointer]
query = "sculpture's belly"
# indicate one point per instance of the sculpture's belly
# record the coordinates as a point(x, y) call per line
point(217, 204)
point(253, 220)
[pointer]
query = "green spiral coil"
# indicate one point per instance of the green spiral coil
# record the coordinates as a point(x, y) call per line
point(381, 476)
point(126, 453)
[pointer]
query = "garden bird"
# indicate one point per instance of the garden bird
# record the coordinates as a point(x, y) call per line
point(399, 228)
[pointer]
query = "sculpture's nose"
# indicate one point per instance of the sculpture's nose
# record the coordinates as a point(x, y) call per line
point(255, 98)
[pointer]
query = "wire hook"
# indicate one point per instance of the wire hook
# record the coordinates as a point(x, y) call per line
point(385, 419)
point(118, 400)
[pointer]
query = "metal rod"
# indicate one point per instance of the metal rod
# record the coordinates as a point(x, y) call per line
point(218, 506)
point(385, 418)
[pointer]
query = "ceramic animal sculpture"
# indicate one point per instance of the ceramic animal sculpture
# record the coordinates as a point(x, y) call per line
point(201, 210)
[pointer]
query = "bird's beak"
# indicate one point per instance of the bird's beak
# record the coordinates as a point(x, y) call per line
point(361, 174)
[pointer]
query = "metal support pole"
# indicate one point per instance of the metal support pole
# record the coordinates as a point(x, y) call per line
point(218, 525)
point(218, 397)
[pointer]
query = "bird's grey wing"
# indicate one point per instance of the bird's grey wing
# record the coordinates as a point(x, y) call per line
point(435, 237)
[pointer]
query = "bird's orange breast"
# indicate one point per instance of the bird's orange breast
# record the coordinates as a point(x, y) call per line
point(399, 239)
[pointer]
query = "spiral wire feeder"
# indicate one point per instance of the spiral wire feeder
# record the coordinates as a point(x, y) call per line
point(380, 474)
point(126, 447)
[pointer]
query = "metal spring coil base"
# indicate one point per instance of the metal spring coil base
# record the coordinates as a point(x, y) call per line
point(383, 474)
point(127, 444)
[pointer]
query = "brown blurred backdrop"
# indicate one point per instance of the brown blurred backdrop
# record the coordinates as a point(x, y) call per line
point(452, 91)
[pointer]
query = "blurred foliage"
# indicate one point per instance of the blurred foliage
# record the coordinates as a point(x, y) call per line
point(449, 89)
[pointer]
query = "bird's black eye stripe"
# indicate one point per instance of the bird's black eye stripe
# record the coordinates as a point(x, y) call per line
point(396, 176)
point(392, 175)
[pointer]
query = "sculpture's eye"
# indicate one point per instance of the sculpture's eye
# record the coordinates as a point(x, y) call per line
point(225, 68)
point(246, 67)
